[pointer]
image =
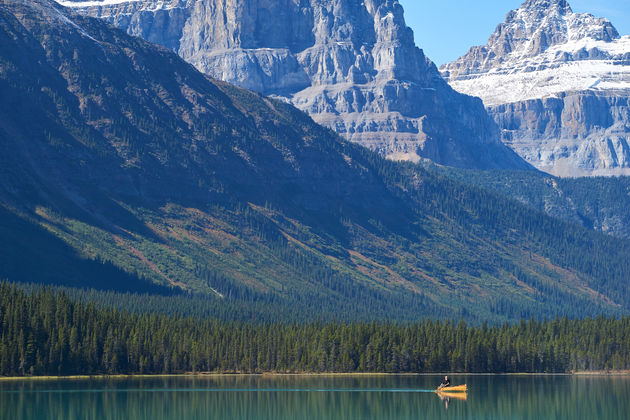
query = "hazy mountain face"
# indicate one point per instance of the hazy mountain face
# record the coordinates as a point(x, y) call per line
point(351, 65)
point(558, 85)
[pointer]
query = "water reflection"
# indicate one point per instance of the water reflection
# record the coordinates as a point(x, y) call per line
point(446, 397)
point(296, 398)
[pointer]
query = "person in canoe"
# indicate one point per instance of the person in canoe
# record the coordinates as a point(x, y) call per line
point(445, 383)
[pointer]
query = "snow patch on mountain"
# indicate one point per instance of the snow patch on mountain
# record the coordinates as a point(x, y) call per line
point(605, 65)
point(543, 49)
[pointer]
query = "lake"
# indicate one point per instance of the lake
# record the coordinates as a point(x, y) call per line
point(316, 398)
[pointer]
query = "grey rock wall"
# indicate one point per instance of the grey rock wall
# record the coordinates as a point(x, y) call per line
point(576, 134)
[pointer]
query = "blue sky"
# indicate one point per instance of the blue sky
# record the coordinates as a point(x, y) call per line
point(446, 29)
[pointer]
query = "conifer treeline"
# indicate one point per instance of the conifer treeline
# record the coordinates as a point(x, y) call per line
point(46, 333)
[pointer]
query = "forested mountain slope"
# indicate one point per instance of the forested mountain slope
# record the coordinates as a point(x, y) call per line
point(49, 334)
point(599, 203)
point(116, 150)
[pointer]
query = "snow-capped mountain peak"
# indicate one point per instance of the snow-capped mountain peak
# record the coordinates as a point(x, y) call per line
point(543, 48)
point(560, 7)
point(558, 84)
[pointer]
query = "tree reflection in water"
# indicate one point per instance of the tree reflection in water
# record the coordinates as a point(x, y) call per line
point(316, 398)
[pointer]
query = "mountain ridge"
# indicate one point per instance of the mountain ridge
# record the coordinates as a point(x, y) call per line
point(351, 65)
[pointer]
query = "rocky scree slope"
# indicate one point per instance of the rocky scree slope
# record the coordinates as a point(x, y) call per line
point(352, 65)
point(558, 85)
point(116, 154)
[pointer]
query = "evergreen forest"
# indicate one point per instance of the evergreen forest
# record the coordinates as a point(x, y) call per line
point(43, 332)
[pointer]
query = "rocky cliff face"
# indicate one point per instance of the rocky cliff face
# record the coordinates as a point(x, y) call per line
point(558, 85)
point(570, 134)
point(351, 64)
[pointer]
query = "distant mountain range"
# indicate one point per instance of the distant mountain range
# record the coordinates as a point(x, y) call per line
point(124, 168)
point(558, 85)
point(351, 65)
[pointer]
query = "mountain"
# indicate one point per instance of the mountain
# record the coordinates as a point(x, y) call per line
point(352, 65)
point(121, 164)
point(558, 85)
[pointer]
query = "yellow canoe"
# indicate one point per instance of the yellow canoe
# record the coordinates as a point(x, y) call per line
point(458, 388)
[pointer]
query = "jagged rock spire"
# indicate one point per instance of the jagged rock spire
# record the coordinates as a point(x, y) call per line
point(528, 32)
point(561, 6)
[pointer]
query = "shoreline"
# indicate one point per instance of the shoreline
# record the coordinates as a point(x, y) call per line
point(312, 374)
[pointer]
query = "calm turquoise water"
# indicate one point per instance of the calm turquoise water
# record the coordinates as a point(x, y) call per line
point(316, 398)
